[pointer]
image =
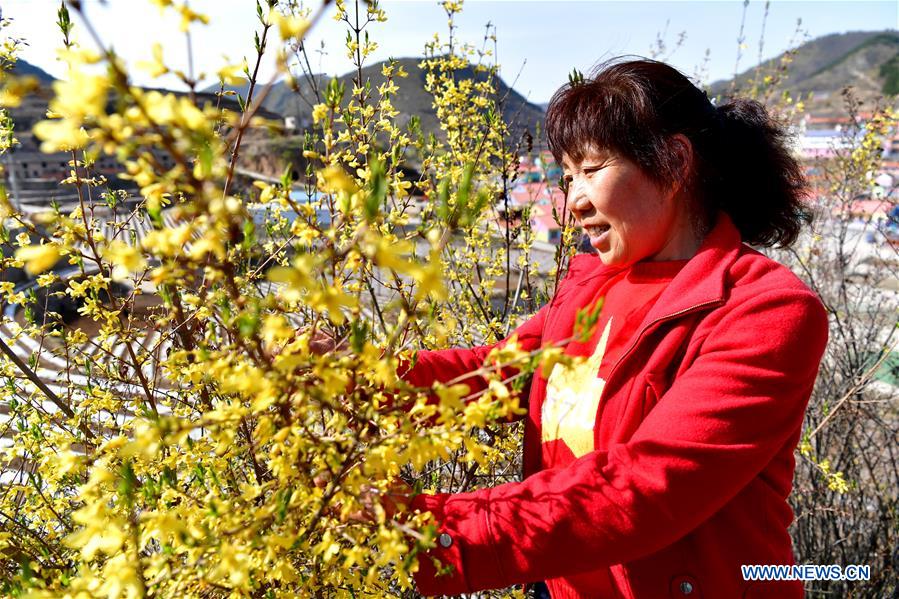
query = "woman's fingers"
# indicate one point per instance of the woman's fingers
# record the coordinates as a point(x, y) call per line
point(393, 501)
point(321, 343)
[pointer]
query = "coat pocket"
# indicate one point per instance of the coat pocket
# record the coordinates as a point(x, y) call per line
point(655, 387)
point(645, 392)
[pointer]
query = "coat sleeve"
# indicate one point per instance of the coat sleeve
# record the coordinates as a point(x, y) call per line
point(447, 364)
point(719, 424)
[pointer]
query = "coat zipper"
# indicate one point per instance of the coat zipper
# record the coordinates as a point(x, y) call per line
point(671, 316)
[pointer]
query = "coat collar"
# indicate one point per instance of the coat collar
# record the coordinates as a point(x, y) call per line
point(702, 279)
point(700, 285)
point(700, 282)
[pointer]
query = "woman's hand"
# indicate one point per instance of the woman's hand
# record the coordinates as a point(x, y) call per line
point(321, 343)
point(394, 500)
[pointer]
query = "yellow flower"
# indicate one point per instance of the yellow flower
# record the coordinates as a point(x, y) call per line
point(125, 259)
point(276, 329)
point(60, 136)
point(303, 232)
point(268, 191)
point(6, 208)
point(231, 74)
point(168, 242)
point(155, 67)
point(319, 112)
point(76, 55)
point(81, 95)
point(297, 277)
point(430, 280)
point(332, 300)
point(121, 579)
point(289, 27)
point(15, 89)
point(209, 243)
point(69, 462)
point(102, 532)
point(334, 179)
point(48, 279)
point(39, 258)
point(188, 16)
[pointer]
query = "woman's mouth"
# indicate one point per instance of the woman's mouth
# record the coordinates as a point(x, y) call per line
point(597, 233)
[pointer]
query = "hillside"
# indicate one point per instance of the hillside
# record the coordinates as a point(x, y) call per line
point(31, 164)
point(34, 106)
point(410, 100)
point(22, 68)
point(866, 60)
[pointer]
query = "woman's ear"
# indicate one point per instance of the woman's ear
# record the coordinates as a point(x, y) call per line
point(683, 150)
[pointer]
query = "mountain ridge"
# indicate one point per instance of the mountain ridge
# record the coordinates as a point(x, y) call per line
point(23, 69)
point(818, 68)
point(410, 100)
point(825, 65)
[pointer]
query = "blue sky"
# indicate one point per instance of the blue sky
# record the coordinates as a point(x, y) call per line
point(540, 41)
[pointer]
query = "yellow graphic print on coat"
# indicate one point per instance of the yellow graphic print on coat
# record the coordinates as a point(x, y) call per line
point(572, 397)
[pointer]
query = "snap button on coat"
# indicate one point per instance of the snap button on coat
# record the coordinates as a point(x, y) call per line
point(685, 586)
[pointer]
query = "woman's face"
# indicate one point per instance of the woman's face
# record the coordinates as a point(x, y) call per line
point(626, 215)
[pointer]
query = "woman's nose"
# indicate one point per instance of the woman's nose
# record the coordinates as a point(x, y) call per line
point(577, 199)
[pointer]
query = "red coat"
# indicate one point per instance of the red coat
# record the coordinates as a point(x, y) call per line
point(694, 439)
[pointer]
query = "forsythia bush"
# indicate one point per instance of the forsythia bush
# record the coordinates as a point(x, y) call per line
point(195, 442)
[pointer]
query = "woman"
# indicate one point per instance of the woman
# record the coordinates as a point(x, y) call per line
point(664, 462)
